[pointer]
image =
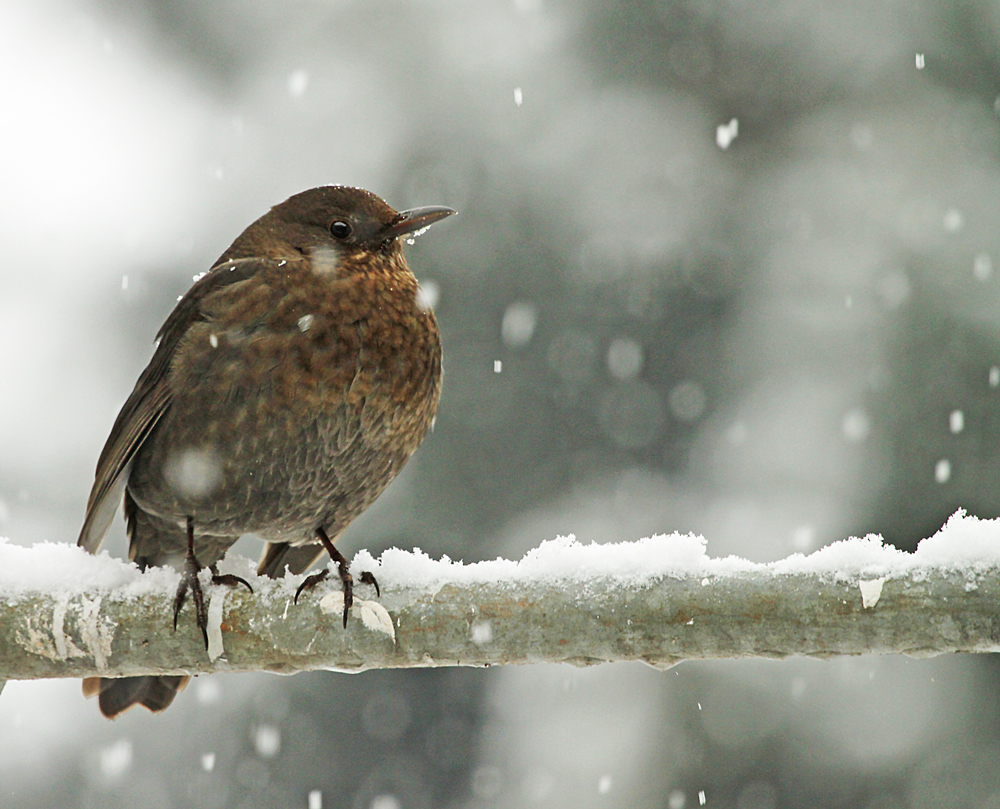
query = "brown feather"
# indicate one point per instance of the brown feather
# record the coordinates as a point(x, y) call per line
point(149, 400)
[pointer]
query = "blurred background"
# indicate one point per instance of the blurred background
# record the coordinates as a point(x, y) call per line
point(738, 261)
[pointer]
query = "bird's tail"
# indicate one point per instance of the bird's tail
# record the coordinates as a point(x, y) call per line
point(118, 694)
point(278, 556)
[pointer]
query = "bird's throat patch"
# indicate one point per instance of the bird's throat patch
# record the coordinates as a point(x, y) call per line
point(325, 260)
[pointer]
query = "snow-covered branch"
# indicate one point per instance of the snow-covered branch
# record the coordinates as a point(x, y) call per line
point(66, 614)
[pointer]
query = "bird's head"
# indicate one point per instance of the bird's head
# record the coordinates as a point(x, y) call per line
point(333, 226)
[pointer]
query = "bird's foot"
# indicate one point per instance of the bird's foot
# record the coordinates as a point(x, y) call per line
point(343, 570)
point(189, 581)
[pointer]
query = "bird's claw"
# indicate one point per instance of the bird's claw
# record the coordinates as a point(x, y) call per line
point(309, 582)
point(346, 581)
point(369, 578)
point(229, 579)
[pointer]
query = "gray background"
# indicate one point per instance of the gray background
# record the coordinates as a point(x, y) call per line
point(776, 345)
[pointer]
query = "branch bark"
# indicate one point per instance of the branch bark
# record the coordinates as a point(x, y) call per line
point(662, 621)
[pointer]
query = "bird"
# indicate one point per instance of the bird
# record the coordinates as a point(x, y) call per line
point(288, 387)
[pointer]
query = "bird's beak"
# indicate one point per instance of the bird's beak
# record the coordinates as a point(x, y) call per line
point(416, 221)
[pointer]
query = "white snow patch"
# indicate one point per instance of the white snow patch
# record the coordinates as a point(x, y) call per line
point(965, 544)
point(53, 567)
point(375, 617)
point(59, 638)
point(215, 609)
point(871, 591)
point(557, 560)
point(482, 632)
point(333, 602)
point(411, 238)
point(95, 633)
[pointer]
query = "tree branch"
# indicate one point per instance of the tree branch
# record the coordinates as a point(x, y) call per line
point(442, 614)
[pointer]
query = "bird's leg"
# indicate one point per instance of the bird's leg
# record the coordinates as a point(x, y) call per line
point(189, 580)
point(343, 570)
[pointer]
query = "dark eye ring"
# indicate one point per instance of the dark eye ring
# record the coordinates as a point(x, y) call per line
point(341, 229)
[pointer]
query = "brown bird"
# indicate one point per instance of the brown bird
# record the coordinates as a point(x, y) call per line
point(289, 387)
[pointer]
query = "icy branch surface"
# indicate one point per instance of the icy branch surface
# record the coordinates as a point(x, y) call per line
point(64, 613)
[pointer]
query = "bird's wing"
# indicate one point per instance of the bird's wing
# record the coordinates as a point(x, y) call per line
point(150, 399)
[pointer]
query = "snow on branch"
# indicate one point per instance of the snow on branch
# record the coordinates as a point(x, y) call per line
point(64, 613)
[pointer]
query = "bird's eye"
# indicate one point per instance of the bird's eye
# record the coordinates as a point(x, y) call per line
point(341, 229)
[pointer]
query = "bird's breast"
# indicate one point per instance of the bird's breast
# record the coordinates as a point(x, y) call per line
point(313, 397)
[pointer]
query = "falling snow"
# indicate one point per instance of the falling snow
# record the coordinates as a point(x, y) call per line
point(116, 759)
point(297, 83)
point(956, 421)
point(982, 267)
point(725, 134)
point(518, 325)
point(267, 741)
